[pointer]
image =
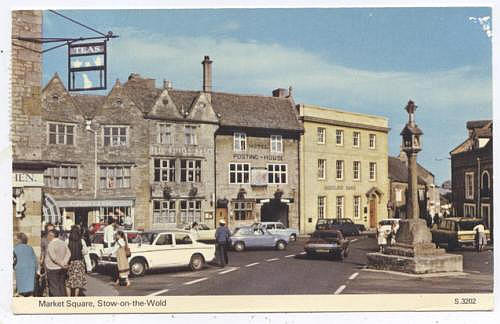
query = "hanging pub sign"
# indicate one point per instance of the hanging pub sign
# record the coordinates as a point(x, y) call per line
point(87, 66)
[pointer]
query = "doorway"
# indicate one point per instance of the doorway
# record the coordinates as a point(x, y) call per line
point(274, 211)
point(82, 216)
point(220, 213)
point(373, 212)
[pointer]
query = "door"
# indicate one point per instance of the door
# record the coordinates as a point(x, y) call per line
point(485, 215)
point(220, 213)
point(82, 216)
point(373, 213)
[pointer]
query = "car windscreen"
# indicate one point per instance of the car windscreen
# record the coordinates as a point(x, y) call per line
point(467, 225)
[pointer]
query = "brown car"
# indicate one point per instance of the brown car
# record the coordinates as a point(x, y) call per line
point(456, 232)
point(328, 242)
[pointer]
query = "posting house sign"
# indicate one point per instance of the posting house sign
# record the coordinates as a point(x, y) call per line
point(87, 66)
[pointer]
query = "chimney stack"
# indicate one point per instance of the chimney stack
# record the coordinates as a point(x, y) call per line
point(279, 93)
point(167, 84)
point(207, 74)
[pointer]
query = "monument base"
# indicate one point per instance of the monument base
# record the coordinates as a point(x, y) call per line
point(414, 252)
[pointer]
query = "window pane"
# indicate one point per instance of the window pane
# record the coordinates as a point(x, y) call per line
point(52, 128)
point(52, 138)
point(114, 131)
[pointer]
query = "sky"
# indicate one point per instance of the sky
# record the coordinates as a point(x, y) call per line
point(366, 60)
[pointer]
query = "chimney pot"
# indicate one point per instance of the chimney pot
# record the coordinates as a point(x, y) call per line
point(279, 93)
point(207, 74)
point(167, 84)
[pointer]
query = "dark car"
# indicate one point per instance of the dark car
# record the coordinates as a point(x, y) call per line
point(328, 242)
point(345, 225)
point(456, 232)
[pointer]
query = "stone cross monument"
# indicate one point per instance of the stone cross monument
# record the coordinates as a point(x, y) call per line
point(414, 251)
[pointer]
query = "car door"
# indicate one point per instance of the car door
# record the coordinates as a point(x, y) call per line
point(183, 248)
point(267, 238)
point(271, 228)
point(162, 251)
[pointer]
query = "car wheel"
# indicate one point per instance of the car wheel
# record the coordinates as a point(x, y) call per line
point(93, 263)
point(293, 238)
point(280, 245)
point(197, 262)
point(138, 267)
point(239, 246)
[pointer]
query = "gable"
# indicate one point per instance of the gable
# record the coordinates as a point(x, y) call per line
point(57, 103)
point(165, 108)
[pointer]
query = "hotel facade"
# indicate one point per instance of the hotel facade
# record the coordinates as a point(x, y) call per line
point(343, 167)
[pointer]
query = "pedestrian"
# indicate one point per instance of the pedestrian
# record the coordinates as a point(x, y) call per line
point(25, 266)
point(394, 231)
point(109, 233)
point(86, 244)
point(479, 236)
point(381, 238)
point(76, 278)
point(56, 263)
point(128, 222)
point(222, 242)
point(122, 252)
point(194, 231)
point(68, 223)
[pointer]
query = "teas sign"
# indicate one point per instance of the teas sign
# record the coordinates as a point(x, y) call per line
point(26, 179)
point(87, 49)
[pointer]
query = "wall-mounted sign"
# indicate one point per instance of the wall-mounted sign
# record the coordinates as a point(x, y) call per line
point(87, 66)
point(340, 187)
point(27, 179)
point(267, 157)
point(259, 176)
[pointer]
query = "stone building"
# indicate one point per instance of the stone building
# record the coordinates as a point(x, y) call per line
point(429, 199)
point(472, 173)
point(139, 152)
point(257, 158)
point(343, 167)
point(26, 123)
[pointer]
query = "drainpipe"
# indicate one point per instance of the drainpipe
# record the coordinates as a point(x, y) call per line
point(87, 128)
point(478, 208)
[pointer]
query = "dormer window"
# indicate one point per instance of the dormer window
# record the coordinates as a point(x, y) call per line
point(55, 97)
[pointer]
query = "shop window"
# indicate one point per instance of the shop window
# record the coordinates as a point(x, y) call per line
point(164, 211)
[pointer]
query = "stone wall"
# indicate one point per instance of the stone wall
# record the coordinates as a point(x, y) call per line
point(26, 123)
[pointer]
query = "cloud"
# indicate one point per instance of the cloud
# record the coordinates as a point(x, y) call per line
point(485, 24)
point(98, 61)
point(260, 67)
point(76, 63)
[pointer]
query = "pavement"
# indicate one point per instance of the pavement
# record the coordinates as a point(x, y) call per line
point(271, 272)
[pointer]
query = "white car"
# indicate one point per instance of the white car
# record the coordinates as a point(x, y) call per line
point(96, 250)
point(279, 228)
point(162, 249)
point(202, 232)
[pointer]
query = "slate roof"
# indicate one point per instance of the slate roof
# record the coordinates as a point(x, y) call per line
point(255, 111)
point(142, 92)
point(88, 104)
point(398, 171)
point(477, 123)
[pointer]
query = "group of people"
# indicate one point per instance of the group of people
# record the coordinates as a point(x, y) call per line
point(65, 260)
point(387, 237)
point(61, 267)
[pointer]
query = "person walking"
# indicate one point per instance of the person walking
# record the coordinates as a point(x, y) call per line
point(121, 249)
point(480, 236)
point(109, 233)
point(76, 278)
point(222, 242)
point(56, 262)
point(194, 231)
point(381, 238)
point(86, 244)
point(25, 266)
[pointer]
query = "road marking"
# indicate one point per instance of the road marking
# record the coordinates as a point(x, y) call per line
point(273, 259)
point(252, 264)
point(338, 291)
point(195, 281)
point(354, 275)
point(158, 292)
point(290, 256)
point(352, 241)
point(228, 270)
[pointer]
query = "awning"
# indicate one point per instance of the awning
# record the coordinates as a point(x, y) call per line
point(96, 203)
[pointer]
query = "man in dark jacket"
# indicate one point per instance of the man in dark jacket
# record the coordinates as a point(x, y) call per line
point(222, 243)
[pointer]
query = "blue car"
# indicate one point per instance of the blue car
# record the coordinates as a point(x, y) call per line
point(251, 237)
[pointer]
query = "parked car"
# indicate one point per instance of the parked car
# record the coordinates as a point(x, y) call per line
point(162, 249)
point(203, 232)
point(329, 242)
point(279, 228)
point(456, 232)
point(345, 225)
point(257, 237)
point(97, 245)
